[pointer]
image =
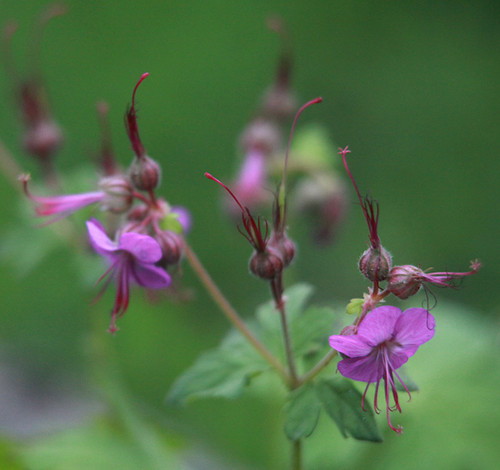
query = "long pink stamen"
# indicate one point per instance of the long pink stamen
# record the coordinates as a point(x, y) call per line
point(371, 214)
point(143, 76)
point(213, 178)
point(292, 130)
point(253, 229)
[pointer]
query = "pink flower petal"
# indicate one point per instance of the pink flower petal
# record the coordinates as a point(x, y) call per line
point(99, 240)
point(352, 346)
point(365, 369)
point(65, 204)
point(143, 247)
point(150, 276)
point(414, 327)
point(378, 325)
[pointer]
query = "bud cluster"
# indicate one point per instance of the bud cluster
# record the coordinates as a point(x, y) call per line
point(42, 136)
point(376, 262)
point(148, 238)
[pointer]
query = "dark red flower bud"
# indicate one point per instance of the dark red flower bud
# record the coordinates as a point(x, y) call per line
point(266, 264)
point(145, 173)
point(375, 263)
point(172, 246)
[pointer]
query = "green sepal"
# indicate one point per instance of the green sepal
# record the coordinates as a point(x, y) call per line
point(171, 223)
point(342, 402)
point(355, 307)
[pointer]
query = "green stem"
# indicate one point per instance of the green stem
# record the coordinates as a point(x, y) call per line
point(231, 314)
point(307, 377)
point(297, 455)
point(287, 340)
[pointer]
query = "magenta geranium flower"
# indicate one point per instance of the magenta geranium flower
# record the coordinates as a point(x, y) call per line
point(132, 258)
point(385, 340)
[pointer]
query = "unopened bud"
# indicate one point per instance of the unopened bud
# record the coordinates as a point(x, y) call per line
point(119, 193)
point(285, 246)
point(145, 173)
point(172, 246)
point(405, 281)
point(279, 102)
point(261, 135)
point(375, 263)
point(266, 264)
point(43, 139)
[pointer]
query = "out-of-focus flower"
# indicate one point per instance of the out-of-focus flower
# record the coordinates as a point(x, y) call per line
point(132, 258)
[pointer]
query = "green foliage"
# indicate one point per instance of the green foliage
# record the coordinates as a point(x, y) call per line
point(99, 446)
point(219, 373)
point(342, 402)
point(302, 413)
point(228, 370)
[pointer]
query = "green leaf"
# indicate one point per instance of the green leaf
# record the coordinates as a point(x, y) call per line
point(295, 297)
point(310, 330)
point(342, 402)
point(302, 413)
point(218, 373)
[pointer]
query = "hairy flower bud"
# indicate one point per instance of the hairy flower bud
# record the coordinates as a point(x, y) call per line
point(405, 281)
point(266, 264)
point(375, 263)
point(145, 173)
point(119, 193)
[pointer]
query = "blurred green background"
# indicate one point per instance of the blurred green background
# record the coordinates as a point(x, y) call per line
point(411, 87)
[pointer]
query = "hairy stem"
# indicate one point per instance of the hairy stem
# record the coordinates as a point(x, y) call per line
point(231, 314)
